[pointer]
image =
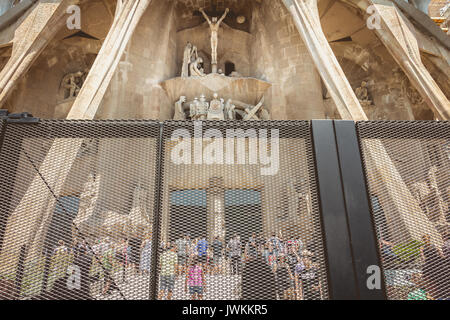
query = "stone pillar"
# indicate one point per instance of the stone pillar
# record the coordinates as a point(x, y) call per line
point(216, 209)
point(31, 38)
point(397, 34)
point(306, 17)
point(128, 14)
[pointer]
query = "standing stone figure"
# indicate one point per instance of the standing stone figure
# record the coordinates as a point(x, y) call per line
point(202, 108)
point(216, 108)
point(179, 110)
point(214, 26)
point(193, 109)
point(138, 214)
point(190, 55)
point(229, 110)
point(186, 60)
point(88, 199)
point(362, 93)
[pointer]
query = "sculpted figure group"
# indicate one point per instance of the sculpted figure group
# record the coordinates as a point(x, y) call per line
point(192, 63)
point(73, 82)
point(218, 109)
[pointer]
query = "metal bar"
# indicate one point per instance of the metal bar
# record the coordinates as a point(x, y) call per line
point(342, 281)
point(156, 232)
point(360, 221)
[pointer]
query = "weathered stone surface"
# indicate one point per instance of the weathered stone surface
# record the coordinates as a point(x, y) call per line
point(248, 90)
point(307, 20)
point(396, 34)
point(31, 37)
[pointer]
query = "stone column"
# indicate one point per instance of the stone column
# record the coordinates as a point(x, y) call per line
point(397, 34)
point(216, 209)
point(128, 14)
point(306, 17)
point(44, 20)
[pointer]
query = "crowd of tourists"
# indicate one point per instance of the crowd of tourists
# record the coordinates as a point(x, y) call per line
point(103, 261)
point(432, 263)
point(268, 268)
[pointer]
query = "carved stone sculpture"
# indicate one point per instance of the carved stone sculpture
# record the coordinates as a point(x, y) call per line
point(216, 109)
point(264, 115)
point(186, 60)
point(138, 214)
point(72, 83)
point(214, 25)
point(88, 199)
point(230, 110)
point(202, 108)
point(362, 93)
point(190, 56)
point(193, 108)
point(195, 68)
point(179, 110)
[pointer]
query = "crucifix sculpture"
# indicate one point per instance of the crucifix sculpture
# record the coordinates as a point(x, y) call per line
point(214, 25)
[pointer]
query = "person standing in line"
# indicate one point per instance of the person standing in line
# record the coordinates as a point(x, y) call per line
point(234, 247)
point(194, 252)
point(167, 265)
point(83, 261)
point(310, 281)
point(217, 246)
point(276, 244)
point(298, 269)
point(108, 263)
point(122, 256)
point(284, 279)
point(183, 245)
point(146, 255)
point(251, 248)
point(202, 251)
point(195, 280)
point(135, 245)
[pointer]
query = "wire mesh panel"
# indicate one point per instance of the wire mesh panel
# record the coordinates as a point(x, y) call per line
point(76, 209)
point(408, 172)
point(239, 214)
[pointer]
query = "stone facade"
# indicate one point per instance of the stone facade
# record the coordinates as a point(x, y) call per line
point(304, 59)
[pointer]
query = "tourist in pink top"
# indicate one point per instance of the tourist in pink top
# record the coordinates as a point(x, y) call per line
point(195, 280)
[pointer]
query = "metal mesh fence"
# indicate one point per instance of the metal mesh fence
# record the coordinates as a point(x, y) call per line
point(239, 213)
point(76, 208)
point(408, 172)
point(237, 216)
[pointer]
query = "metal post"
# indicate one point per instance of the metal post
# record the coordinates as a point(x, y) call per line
point(342, 281)
point(360, 220)
point(156, 232)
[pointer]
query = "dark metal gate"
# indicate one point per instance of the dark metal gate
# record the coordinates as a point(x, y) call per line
point(222, 210)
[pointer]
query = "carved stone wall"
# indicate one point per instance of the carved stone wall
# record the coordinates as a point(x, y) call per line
point(280, 57)
point(40, 90)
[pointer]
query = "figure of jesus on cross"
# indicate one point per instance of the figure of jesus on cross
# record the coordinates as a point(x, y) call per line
point(214, 26)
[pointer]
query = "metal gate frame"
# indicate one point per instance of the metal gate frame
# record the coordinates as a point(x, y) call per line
point(348, 228)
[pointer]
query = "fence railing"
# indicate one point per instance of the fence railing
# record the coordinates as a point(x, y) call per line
point(287, 210)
